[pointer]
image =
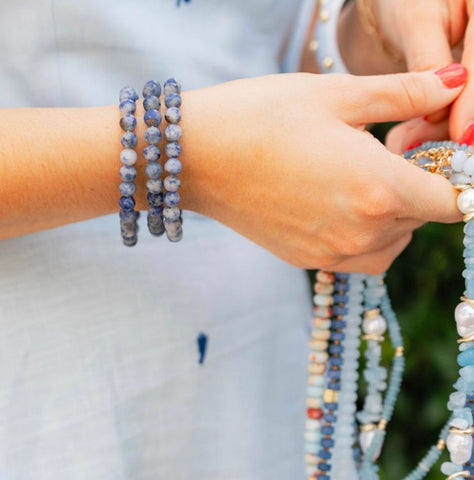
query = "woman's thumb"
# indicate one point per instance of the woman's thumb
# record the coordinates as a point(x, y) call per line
point(405, 95)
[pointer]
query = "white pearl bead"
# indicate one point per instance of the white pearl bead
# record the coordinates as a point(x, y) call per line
point(464, 315)
point(374, 325)
point(466, 201)
point(365, 439)
point(459, 447)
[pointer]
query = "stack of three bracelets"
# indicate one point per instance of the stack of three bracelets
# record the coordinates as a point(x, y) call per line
point(164, 214)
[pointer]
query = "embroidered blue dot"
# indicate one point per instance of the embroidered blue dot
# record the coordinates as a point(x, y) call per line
point(128, 157)
point(172, 223)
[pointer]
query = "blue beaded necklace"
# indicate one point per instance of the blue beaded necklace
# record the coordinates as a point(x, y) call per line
point(344, 302)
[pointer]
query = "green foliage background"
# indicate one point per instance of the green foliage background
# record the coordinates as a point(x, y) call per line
point(425, 284)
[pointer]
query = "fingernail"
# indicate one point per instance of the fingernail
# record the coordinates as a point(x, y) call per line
point(468, 135)
point(417, 144)
point(453, 75)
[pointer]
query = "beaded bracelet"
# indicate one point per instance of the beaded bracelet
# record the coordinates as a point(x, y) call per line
point(128, 157)
point(325, 44)
point(152, 154)
point(171, 212)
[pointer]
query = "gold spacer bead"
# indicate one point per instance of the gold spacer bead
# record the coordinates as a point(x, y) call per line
point(375, 338)
point(368, 427)
point(460, 187)
point(328, 63)
point(330, 396)
point(441, 445)
point(463, 474)
point(467, 300)
point(324, 15)
point(382, 424)
point(313, 45)
point(469, 217)
point(466, 339)
point(462, 431)
point(375, 312)
point(400, 351)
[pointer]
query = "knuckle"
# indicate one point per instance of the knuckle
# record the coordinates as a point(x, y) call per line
point(379, 202)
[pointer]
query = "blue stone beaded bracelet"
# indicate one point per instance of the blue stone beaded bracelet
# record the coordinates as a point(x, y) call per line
point(152, 154)
point(171, 212)
point(128, 216)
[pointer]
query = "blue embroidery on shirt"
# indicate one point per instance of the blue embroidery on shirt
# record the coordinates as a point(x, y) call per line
point(202, 346)
point(178, 2)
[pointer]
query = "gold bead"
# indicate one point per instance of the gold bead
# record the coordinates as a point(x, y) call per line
point(328, 63)
point(324, 15)
point(467, 300)
point(399, 351)
point(462, 431)
point(375, 338)
point(330, 396)
point(375, 312)
point(466, 339)
point(463, 474)
point(382, 424)
point(368, 427)
point(468, 217)
point(313, 45)
point(441, 445)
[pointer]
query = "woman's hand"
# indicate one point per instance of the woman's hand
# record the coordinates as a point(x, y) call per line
point(284, 161)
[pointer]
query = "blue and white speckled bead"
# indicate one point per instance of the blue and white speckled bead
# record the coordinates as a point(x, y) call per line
point(172, 183)
point(151, 103)
point(173, 149)
point(153, 135)
point(173, 133)
point(173, 115)
point(152, 153)
point(171, 86)
point(152, 118)
point(153, 170)
point(173, 166)
point(173, 100)
point(128, 157)
point(152, 89)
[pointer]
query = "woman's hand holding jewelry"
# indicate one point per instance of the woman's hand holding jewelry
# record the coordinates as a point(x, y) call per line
point(284, 161)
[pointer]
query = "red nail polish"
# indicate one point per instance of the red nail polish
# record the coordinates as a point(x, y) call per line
point(417, 144)
point(468, 135)
point(453, 75)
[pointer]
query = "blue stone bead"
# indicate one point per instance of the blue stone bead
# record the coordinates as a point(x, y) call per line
point(331, 405)
point(156, 211)
point(173, 166)
point(130, 242)
point(171, 199)
point(174, 232)
point(173, 100)
point(336, 349)
point(171, 86)
point(156, 229)
point(327, 442)
point(329, 418)
point(173, 115)
point(172, 214)
point(335, 374)
point(469, 228)
point(152, 118)
point(128, 229)
point(152, 135)
point(151, 103)
point(325, 454)
point(127, 107)
point(172, 183)
point(128, 216)
point(152, 153)
point(324, 467)
point(129, 140)
point(173, 133)
point(466, 358)
point(323, 477)
point(343, 276)
point(338, 298)
point(341, 287)
point(127, 203)
point(173, 149)
point(153, 170)
point(339, 324)
point(336, 361)
point(128, 157)
point(155, 199)
point(127, 189)
point(128, 93)
point(128, 123)
point(152, 88)
point(128, 174)
point(154, 185)
point(338, 310)
point(338, 336)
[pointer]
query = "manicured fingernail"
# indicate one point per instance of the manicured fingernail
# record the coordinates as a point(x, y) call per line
point(453, 75)
point(468, 135)
point(417, 144)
